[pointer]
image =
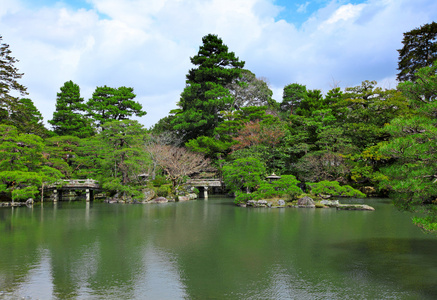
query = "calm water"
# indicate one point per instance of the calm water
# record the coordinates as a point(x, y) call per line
point(213, 250)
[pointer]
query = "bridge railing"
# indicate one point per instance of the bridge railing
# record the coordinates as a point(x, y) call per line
point(74, 183)
point(205, 182)
point(206, 179)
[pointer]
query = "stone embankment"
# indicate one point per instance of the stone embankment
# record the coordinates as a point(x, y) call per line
point(305, 202)
point(29, 202)
point(150, 196)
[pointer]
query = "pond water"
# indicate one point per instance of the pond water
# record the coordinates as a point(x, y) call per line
point(213, 250)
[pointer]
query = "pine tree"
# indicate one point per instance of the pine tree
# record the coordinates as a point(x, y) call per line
point(419, 50)
point(28, 119)
point(68, 118)
point(413, 150)
point(205, 95)
point(109, 104)
point(9, 76)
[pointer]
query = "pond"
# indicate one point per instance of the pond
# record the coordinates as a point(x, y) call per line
point(211, 249)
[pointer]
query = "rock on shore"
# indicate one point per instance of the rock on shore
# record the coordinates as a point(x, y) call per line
point(354, 207)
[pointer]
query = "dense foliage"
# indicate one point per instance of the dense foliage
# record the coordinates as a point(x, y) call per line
point(362, 139)
point(205, 96)
point(69, 119)
point(419, 50)
point(333, 188)
point(109, 104)
point(286, 188)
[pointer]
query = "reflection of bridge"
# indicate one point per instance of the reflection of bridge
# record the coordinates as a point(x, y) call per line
point(204, 184)
point(89, 185)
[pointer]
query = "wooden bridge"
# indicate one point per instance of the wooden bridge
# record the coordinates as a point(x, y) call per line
point(204, 185)
point(89, 185)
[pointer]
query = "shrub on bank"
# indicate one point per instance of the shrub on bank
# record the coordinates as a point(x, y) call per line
point(285, 187)
point(333, 188)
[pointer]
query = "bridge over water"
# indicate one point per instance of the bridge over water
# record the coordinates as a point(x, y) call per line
point(89, 185)
point(204, 184)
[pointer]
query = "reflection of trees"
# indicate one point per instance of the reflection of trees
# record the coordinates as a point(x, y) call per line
point(15, 245)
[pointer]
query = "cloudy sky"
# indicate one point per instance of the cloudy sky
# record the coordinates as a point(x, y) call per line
point(146, 44)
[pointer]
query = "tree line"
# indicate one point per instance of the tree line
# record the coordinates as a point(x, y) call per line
point(380, 141)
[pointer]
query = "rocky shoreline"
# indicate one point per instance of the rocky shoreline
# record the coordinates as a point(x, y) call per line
point(305, 202)
point(152, 198)
point(29, 202)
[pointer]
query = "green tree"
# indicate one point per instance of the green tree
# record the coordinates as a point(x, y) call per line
point(367, 109)
point(68, 119)
point(419, 50)
point(285, 187)
point(412, 148)
point(22, 169)
point(205, 95)
point(333, 188)
point(122, 157)
point(88, 155)
point(10, 88)
point(163, 126)
point(248, 90)
point(243, 174)
point(19, 152)
point(423, 90)
point(293, 95)
point(109, 104)
point(313, 101)
point(222, 140)
point(60, 152)
point(27, 118)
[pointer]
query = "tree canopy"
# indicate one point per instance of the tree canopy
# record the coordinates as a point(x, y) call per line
point(69, 118)
point(419, 50)
point(205, 95)
point(109, 104)
point(10, 88)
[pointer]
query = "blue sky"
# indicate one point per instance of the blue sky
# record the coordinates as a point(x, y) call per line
point(297, 12)
point(146, 44)
point(75, 4)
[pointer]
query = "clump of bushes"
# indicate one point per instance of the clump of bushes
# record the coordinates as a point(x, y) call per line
point(164, 190)
point(285, 187)
point(241, 197)
point(159, 181)
point(333, 188)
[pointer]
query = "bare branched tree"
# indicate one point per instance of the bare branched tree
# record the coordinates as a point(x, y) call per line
point(177, 162)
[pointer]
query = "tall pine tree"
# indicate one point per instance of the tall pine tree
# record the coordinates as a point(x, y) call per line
point(205, 95)
point(68, 118)
point(419, 50)
point(9, 85)
point(109, 104)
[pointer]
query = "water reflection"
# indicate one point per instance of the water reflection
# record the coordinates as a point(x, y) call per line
point(38, 282)
point(198, 250)
point(159, 277)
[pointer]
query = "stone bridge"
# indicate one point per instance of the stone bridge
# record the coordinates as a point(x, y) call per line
point(204, 185)
point(89, 185)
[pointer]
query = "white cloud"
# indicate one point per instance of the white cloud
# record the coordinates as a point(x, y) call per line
point(345, 12)
point(126, 42)
point(303, 7)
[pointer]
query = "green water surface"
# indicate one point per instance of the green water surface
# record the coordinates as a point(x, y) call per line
point(213, 250)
